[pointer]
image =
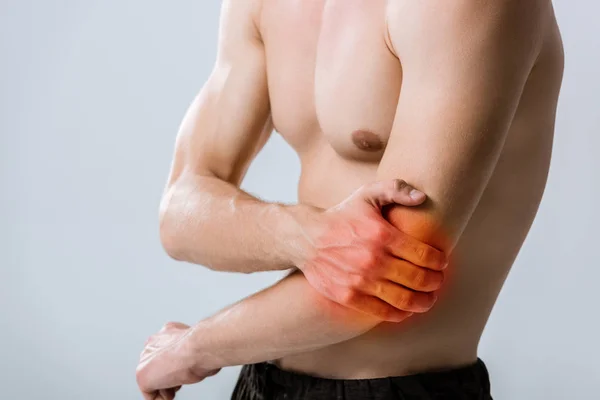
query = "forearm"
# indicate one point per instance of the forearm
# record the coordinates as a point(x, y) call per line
point(286, 318)
point(207, 221)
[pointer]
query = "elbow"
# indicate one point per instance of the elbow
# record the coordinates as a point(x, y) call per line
point(169, 236)
point(422, 224)
point(176, 236)
point(177, 248)
point(175, 242)
point(170, 242)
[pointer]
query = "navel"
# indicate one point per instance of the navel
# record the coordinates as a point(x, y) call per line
point(367, 141)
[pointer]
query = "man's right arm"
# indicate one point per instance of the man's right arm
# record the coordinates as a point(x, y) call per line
point(205, 218)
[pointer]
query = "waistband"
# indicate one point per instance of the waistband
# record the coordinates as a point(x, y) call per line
point(475, 373)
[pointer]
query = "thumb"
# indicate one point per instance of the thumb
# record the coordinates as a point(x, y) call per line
point(393, 191)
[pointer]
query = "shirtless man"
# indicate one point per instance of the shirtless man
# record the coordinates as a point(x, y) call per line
point(454, 98)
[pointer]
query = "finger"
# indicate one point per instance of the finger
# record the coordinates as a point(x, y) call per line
point(167, 394)
point(400, 297)
point(374, 307)
point(412, 276)
point(407, 195)
point(410, 249)
point(150, 396)
point(179, 325)
point(393, 191)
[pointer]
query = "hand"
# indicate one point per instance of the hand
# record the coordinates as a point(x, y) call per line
point(167, 363)
point(358, 259)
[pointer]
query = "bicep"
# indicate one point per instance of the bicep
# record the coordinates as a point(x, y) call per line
point(229, 120)
point(461, 86)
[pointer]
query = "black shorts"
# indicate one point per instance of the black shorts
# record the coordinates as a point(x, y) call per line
point(265, 381)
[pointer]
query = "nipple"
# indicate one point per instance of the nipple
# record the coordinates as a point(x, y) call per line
point(367, 141)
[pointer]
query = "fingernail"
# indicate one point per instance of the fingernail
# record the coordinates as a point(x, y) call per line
point(415, 194)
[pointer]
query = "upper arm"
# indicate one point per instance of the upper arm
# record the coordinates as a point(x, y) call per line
point(465, 64)
point(229, 120)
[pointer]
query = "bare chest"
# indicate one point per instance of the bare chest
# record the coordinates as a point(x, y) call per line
point(332, 77)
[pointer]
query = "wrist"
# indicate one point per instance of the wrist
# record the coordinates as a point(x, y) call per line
point(199, 349)
point(299, 223)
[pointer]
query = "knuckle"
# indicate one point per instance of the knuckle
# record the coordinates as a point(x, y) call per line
point(370, 259)
point(380, 233)
point(405, 300)
point(347, 296)
point(139, 370)
point(167, 326)
point(393, 187)
point(359, 281)
point(369, 188)
point(400, 184)
point(362, 260)
point(140, 376)
point(420, 253)
point(420, 278)
point(377, 288)
point(428, 254)
point(399, 242)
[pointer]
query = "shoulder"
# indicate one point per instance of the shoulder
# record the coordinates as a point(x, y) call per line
point(463, 14)
point(437, 24)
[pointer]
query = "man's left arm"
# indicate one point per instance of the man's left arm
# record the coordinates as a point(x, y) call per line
point(465, 64)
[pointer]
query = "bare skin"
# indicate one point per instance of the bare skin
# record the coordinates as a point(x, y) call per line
point(472, 129)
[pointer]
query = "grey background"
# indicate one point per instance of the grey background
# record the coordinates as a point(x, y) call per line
point(91, 94)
